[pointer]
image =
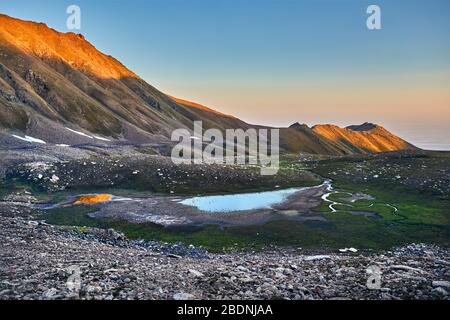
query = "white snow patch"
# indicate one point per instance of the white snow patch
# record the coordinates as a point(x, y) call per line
point(63, 145)
point(54, 179)
point(101, 138)
point(29, 139)
point(80, 133)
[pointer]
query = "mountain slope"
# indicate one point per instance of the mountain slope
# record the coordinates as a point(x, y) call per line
point(367, 137)
point(59, 88)
point(67, 79)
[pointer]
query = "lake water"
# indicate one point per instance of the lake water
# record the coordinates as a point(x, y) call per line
point(240, 202)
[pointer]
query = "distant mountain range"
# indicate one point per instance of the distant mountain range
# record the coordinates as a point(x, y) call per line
point(59, 88)
point(368, 137)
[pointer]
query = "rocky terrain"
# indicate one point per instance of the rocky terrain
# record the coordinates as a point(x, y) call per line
point(41, 261)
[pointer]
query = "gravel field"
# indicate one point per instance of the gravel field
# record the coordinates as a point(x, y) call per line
point(40, 261)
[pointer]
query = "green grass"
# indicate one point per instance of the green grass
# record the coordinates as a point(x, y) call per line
point(341, 230)
point(412, 206)
point(421, 217)
point(417, 222)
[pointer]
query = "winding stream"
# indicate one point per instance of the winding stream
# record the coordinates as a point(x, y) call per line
point(331, 191)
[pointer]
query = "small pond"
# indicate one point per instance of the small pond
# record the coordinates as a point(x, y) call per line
point(240, 202)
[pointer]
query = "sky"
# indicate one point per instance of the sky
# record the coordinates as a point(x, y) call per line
point(276, 62)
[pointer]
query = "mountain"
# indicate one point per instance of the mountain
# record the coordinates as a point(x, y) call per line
point(57, 87)
point(367, 137)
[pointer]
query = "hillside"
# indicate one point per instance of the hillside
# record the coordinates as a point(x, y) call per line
point(59, 88)
point(367, 137)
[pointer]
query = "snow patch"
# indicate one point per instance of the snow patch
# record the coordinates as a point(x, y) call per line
point(348, 249)
point(101, 138)
point(29, 139)
point(80, 133)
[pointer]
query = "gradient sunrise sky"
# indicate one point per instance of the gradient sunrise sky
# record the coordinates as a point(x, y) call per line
point(276, 62)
